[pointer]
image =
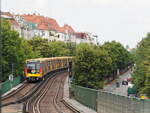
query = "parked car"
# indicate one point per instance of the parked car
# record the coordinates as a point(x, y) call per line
point(131, 91)
point(117, 84)
point(124, 82)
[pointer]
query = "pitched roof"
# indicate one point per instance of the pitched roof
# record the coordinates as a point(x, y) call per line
point(43, 26)
point(43, 22)
point(67, 29)
point(7, 14)
point(11, 21)
point(81, 35)
point(51, 23)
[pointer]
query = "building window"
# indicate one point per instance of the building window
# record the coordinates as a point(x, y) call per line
point(43, 33)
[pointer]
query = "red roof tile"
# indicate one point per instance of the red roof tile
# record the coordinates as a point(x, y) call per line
point(43, 26)
point(67, 29)
point(52, 23)
point(81, 35)
point(46, 23)
point(42, 21)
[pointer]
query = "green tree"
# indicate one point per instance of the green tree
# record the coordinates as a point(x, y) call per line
point(44, 48)
point(72, 48)
point(141, 74)
point(93, 65)
point(40, 46)
point(90, 66)
point(15, 50)
point(59, 48)
point(121, 58)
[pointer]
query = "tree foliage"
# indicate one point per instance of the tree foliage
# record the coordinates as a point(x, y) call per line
point(141, 74)
point(15, 50)
point(95, 64)
point(121, 57)
point(90, 65)
point(44, 48)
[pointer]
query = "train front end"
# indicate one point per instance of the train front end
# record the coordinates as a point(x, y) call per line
point(33, 71)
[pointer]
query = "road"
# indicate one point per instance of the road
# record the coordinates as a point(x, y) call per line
point(122, 90)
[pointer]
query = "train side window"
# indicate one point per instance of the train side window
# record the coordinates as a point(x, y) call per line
point(49, 63)
point(37, 66)
point(61, 63)
point(53, 63)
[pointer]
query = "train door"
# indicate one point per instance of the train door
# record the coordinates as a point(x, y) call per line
point(47, 66)
point(70, 68)
point(56, 64)
point(61, 63)
point(50, 65)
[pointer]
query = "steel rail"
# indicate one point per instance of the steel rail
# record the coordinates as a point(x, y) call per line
point(19, 99)
point(14, 92)
point(37, 106)
point(55, 98)
point(34, 94)
point(25, 97)
point(73, 109)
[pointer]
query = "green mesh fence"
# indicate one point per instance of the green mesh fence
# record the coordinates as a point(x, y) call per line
point(16, 81)
point(105, 102)
point(146, 106)
point(7, 85)
point(86, 96)
point(112, 103)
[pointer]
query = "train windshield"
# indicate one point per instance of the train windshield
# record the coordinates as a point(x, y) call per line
point(33, 67)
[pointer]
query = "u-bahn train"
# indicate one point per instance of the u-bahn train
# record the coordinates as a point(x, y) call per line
point(35, 69)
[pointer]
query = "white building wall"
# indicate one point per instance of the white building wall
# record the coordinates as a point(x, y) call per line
point(50, 35)
point(16, 28)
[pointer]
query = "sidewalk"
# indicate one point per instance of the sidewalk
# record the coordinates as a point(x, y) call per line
point(15, 108)
point(74, 103)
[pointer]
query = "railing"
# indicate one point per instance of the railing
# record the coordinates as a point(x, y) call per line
point(8, 85)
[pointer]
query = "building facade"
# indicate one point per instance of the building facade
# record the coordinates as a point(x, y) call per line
point(30, 25)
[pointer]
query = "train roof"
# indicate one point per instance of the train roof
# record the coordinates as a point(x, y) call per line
point(44, 59)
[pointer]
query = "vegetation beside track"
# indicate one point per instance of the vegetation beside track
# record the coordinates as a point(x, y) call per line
point(93, 65)
point(15, 50)
point(141, 75)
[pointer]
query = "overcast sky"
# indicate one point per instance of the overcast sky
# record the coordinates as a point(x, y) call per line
point(126, 21)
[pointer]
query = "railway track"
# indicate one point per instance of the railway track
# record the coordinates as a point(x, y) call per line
point(43, 97)
point(23, 93)
point(30, 104)
point(16, 95)
point(49, 97)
